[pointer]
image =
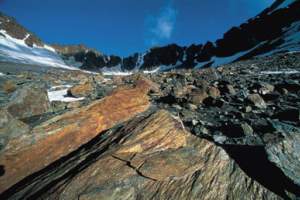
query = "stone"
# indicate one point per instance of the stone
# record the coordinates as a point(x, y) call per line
point(191, 107)
point(220, 139)
point(117, 80)
point(247, 109)
point(200, 83)
point(257, 100)
point(31, 100)
point(10, 128)
point(213, 92)
point(9, 86)
point(154, 157)
point(198, 96)
point(247, 129)
point(65, 133)
point(182, 91)
point(230, 89)
point(285, 152)
point(81, 90)
point(147, 85)
point(266, 88)
point(226, 88)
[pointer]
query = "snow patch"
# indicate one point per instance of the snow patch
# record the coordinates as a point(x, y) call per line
point(115, 71)
point(61, 95)
point(151, 71)
point(291, 38)
point(225, 60)
point(201, 64)
point(26, 37)
point(280, 72)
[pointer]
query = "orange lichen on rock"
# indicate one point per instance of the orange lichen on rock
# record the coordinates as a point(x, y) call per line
point(65, 133)
point(81, 90)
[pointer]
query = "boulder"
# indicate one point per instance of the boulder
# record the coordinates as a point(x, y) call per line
point(31, 100)
point(257, 100)
point(145, 84)
point(10, 128)
point(266, 88)
point(226, 88)
point(285, 152)
point(154, 157)
point(198, 96)
point(63, 134)
point(213, 92)
point(9, 86)
point(81, 90)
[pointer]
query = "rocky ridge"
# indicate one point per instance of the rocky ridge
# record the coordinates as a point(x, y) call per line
point(248, 40)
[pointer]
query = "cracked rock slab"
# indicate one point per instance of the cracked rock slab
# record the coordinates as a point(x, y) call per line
point(159, 159)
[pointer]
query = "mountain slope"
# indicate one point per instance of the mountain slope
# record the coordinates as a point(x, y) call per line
point(17, 45)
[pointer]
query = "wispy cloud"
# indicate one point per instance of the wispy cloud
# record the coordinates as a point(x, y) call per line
point(160, 28)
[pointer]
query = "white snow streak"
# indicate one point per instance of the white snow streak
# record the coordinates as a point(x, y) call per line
point(280, 72)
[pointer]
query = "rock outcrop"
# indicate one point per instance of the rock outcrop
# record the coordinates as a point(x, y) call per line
point(10, 128)
point(63, 134)
point(285, 152)
point(151, 156)
point(31, 100)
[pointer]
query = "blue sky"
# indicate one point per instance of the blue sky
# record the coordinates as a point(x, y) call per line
point(122, 27)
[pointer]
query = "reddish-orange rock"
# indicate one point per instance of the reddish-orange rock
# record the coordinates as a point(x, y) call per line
point(146, 84)
point(9, 86)
point(81, 90)
point(159, 159)
point(63, 134)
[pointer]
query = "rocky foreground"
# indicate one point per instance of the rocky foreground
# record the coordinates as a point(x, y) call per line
point(231, 132)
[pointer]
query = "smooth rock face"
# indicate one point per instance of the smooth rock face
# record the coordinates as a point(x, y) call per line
point(10, 128)
point(158, 159)
point(28, 101)
point(63, 134)
point(285, 153)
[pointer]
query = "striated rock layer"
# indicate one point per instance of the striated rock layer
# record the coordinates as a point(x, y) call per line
point(63, 134)
point(150, 157)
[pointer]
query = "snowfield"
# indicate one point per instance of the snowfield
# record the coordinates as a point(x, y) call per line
point(16, 51)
